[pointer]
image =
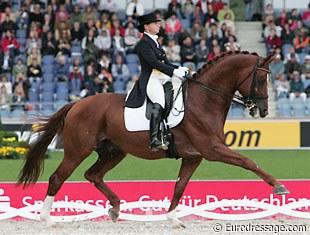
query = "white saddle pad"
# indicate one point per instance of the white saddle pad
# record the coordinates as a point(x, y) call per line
point(135, 119)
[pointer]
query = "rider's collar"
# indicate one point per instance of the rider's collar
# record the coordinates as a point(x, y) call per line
point(154, 37)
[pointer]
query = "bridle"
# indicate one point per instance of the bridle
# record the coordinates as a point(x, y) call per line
point(249, 102)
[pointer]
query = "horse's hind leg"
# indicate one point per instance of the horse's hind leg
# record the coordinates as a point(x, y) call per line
point(56, 180)
point(109, 156)
point(224, 154)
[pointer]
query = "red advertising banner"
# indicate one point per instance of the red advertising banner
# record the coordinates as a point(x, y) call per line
point(149, 201)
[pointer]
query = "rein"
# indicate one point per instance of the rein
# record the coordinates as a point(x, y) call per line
point(249, 102)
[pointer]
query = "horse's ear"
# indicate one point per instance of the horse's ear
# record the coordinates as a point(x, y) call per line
point(269, 58)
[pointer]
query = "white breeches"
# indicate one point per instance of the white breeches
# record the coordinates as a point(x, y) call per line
point(155, 89)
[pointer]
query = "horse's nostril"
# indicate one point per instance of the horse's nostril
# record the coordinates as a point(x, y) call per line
point(266, 111)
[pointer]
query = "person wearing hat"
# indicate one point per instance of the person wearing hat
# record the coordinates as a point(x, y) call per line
point(155, 72)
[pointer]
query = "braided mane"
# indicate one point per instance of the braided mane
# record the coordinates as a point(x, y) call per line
point(215, 59)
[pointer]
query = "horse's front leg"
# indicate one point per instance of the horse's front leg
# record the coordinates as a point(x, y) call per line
point(187, 169)
point(222, 153)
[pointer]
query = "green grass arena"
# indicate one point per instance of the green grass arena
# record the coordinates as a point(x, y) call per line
point(282, 164)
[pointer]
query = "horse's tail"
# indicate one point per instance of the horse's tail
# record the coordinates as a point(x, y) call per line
point(33, 165)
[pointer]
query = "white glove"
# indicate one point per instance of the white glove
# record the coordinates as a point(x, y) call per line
point(185, 69)
point(179, 73)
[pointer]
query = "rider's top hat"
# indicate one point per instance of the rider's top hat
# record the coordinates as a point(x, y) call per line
point(146, 19)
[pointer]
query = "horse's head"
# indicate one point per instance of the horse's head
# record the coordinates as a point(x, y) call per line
point(255, 87)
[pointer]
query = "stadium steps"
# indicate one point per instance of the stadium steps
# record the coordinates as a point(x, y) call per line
point(249, 35)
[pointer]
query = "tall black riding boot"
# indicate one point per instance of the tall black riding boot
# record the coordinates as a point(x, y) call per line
point(154, 127)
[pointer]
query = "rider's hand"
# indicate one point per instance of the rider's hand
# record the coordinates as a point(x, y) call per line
point(185, 69)
point(179, 73)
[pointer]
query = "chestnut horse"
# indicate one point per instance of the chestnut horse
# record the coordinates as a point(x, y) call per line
point(97, 123)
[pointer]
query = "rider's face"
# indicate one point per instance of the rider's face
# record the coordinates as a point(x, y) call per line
point(153, 28)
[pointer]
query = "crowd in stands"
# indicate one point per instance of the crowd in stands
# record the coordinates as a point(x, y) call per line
point(286, 34)
point(64, 50)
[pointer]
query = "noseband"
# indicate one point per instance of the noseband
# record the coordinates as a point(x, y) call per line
point(249, 102)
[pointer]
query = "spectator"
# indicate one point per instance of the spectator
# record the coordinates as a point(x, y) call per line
point(224, 11)
point(232, 44)
point(216, 51)
point(282, 87)
point(18, 99)
point(130, 22)
point(198, 32)
point(5, 98)
point(306, 65)
point(173, 51)
point(76, 34)
point(76, 15)
point(282, 19)
point(104, 62)
point(108, 6)
point(287, 56)
point(104, 82)
point(35, 54)
point(306, 17)
point(9, 43)
point(217, 5)
point(22, 17)
point(131, 41)
point(8, 13)
point(89, 14)
point(277, 68)
point(197, 16)
point(82, 3)
point(271, 25)
point(118, 44)
point(20, 67)
point(104, 41)
point(33, 41)
point(131, 26)
point(23, 82)
point(88, 85)
point(90, 25)
point(89, 47)
point(116, 25)
point(135, 9)
point(34, 71)
point(203, 4)
point(249, 4)
point(75, 80)
point(230, 24)
point(175, 7)
point(49, 45)
point(215, 32)
point(6, 62)
point(291, 66)
point(77, 63)
point(104, 23)
point(6, 83)
point(60, 29)
point(173, 24)
point(64, 44)
point(62, 69)
point(297, 87)
point(8, 24)
point(51, 12)
point(188, 8)
point(49, 25)
point(62, 16)
point(188, 53)
point(273, 42)
point(287, 37)
point(210, 17)
point(293, 17)
point(301, 42)
point(36, 16)
point(120, 71)
point(202, 51)
point(68, 6)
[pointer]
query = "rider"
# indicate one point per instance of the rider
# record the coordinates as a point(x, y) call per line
point(155, 72)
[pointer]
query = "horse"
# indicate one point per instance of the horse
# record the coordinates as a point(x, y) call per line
point(96, 123)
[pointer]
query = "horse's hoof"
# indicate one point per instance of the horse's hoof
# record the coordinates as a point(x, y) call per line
point(176, 223)
point(280, 190)
point(113, 215)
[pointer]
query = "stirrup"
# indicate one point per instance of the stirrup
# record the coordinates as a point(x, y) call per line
point(156, 144)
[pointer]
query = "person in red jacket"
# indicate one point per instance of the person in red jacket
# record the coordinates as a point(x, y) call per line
point(10, 43)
